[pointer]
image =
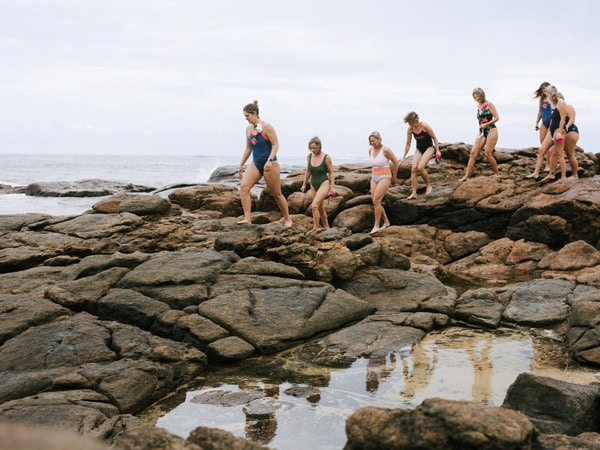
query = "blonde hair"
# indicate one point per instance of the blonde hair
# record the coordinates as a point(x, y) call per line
point(479, 93)
point(251, 107)
point(552, 93)
point(411, 117)
point(375, 134)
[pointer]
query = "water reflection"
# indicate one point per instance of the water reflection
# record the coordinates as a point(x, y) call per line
point(286, 402)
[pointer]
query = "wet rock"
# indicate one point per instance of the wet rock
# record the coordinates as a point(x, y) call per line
point(439, 424)
point(147, 437)
point(265, 407)
point(216, 439)
point(372, 337)
point(227, 398)
point(553, 406)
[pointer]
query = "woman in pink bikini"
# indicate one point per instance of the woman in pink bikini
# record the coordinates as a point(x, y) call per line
point(381, 177)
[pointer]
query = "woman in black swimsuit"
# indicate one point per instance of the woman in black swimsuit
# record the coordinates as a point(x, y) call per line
point(427, 146)
point(487, 116)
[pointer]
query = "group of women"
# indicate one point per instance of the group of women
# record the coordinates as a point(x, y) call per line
point(558, 134)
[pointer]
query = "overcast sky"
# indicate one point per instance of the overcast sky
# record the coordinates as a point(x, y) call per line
point(171, 77)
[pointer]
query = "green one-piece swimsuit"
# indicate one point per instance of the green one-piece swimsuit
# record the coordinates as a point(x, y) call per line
point(318, 174)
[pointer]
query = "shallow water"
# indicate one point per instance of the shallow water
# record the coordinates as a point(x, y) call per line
point(285, 402)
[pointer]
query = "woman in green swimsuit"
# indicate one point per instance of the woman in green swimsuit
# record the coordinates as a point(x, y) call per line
point(320, 170)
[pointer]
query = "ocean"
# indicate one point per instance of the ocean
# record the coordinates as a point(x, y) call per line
point(155, 171)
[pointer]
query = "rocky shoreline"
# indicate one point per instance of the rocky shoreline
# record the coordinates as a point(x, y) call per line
point(107, 312)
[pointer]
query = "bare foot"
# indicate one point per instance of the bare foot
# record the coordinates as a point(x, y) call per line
point(288, 223)
point(411, 196)
point(428, 190)
point(374, 230)
point(496, 175)
point(575, 177)
point(385, 225)
point(533, 175)
point(244, 222)
point(547, 178)
point(463, 179)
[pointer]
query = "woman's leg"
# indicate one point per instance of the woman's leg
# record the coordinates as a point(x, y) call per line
point(414, 174)
point(317, 206)
point(477, 146)
point(556, 155)
point(570, 143)
point(540, 156)
point(490, 144)
point(423, 171)
point(378, 191)
point(249, 179)
point(543, 132)
point(273, 182)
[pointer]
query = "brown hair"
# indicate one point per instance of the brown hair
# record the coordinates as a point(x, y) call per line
point(251, 107)
point(315, 140)
point(411, 117)
point(541, 91)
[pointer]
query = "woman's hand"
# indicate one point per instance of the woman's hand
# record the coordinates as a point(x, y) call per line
point(241, 171)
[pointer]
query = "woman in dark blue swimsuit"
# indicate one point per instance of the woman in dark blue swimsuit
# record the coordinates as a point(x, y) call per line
point(544, 110)
point(487, 116)
point(262, 143)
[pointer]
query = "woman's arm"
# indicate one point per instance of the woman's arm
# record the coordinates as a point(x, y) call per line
point(408, 142)
point(271, 135)
point(306, 174)
point(495, 116)
point(330, 172)
point(389, 154)
point(246, 153)
point(430, 132)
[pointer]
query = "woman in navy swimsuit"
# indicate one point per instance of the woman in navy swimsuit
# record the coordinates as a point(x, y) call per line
point(262, 143)
point(544, 110)
point(487, 116)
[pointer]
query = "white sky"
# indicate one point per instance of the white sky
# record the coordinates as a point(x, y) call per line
point(171, 77)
